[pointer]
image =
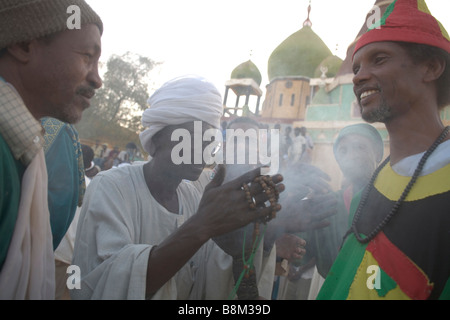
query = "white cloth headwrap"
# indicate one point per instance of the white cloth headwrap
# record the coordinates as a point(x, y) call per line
point(183, 99)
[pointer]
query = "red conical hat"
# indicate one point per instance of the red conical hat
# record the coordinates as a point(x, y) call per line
point(407, 21)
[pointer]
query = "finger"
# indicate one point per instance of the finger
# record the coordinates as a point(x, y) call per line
point(277, 178)
point(256, 188)
point(323, 214)
point(300, 254)
point(280, 187)
point(313, 170)
point(322, 174)
point(319, 225)
point(264, 214)
point(301, 242)
point(260, 197)
point(245, 178)
point(319, 186)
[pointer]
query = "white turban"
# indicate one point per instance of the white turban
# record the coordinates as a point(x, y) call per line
point(184, 99)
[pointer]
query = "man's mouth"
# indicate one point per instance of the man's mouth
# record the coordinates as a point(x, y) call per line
point(367, 93)
point(88, 93)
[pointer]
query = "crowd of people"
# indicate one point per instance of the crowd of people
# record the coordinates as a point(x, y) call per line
point(162, 229)
point(106, 158)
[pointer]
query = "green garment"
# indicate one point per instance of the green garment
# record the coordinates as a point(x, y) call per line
point(11, 173)
point(65, 168)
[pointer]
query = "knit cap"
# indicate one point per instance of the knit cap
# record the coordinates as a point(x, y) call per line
point(366, 130)
point(407, 21)
point(26, 20)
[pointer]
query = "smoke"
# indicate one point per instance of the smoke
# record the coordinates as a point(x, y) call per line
point(308, 199)
point(250, 147)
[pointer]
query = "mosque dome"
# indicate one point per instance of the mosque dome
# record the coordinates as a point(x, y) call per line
point(299, 55)
point(332, 64)
point(247, 70)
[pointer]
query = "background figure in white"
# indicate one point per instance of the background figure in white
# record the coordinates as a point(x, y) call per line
point(297, 148)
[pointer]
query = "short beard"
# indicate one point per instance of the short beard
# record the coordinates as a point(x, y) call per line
point(66, 115)
point(380, 114)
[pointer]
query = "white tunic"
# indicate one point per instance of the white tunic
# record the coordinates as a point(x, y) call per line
point(119, 223)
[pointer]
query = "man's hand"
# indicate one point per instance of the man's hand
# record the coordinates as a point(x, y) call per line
point(302, 180)
point(308, 214)
point(290, 247)
point(225, 207)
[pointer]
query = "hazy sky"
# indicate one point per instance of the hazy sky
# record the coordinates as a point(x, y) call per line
point(212, 37)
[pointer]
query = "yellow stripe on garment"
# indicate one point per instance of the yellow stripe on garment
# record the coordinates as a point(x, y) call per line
point(391, 184)
point(443, 31)
point(422, 6)
point(359, 290)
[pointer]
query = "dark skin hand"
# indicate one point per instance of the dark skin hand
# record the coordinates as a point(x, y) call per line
point(307, 203)
point(296, 272)
point(222, 209)
point(308, 214)
point(232, 243)
point(296, 216)
point(290, 247)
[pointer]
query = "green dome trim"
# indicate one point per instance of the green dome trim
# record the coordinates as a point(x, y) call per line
point(298, 55)
point(247, 70)
point(333, 64)
point(321, 98)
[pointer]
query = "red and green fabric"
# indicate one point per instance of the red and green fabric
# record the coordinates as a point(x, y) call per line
point(407, 21)
point(411, 253)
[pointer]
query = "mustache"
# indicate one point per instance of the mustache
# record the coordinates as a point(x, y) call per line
point(86, 91)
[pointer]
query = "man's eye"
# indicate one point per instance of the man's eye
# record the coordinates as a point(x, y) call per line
point(380, 59)
point(87, 55)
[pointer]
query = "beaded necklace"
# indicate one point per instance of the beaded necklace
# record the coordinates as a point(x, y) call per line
point(405, 193)
point(250, 290)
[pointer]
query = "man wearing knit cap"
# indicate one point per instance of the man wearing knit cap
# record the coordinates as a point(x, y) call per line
point(144, 228)
point(399, 241)
point(358, 150)
point(46, 70)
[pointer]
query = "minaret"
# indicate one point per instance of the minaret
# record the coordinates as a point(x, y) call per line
point(245, 81)
point(308, 22)
point(290, 67)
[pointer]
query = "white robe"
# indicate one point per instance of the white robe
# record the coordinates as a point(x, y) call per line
point(119, 223)
point(29, 271)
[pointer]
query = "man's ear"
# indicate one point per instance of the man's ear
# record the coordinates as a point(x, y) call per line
point(435, 68)
point(21, 51)
point(152, 150)
point(154, 145)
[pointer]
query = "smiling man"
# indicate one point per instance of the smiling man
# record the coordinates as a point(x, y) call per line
point(399, 241)
point(46, 70)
